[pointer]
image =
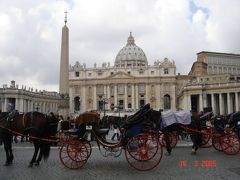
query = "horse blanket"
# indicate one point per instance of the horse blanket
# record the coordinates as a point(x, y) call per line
point(179, 117)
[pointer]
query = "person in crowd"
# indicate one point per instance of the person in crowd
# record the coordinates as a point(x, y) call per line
point(116, 133)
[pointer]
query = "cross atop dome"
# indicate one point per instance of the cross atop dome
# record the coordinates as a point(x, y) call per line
point(130, 40)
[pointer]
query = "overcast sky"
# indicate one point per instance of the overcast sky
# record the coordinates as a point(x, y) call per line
point(30, 33)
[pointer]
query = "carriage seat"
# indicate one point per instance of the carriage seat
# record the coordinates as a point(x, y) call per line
point(71, 131)
point(102, 131)
point(235, 119)
point(137, 117)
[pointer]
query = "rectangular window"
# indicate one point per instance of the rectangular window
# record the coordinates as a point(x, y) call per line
point(77, 74)
point(166, 71)
point(89, 74)
point(152, 72)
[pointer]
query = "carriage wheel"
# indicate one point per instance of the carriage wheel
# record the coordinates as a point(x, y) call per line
point(230, 145)
point(144, 152)
point(73, 154)
point(206, 136)
point(216, 142)
point(88, 146)
point(172, 138)
point(79, 150)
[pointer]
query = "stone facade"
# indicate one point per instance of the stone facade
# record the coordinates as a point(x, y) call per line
point(130, 83)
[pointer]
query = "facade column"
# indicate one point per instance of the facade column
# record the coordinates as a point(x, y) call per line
point(147, 93)
point(104, 91)
point(137, 96)
point(158, 96)
point(173, 101)
point(133, 98)
point(125, 97)
point(220, 104)
point(94, 97)
point(83, 103)
point(228, 103)
point(213, 104)
point(115, 95)
point(200, 102)
point(236, 102)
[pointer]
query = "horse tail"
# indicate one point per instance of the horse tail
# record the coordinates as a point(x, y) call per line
point(46, 150)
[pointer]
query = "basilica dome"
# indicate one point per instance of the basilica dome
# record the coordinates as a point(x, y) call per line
point(131, 55)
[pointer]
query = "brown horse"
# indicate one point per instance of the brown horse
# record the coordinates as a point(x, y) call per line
point(85, 118)
point(33, 123)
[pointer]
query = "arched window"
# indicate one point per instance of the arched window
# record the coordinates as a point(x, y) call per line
point(167, 102)
point(77, 103)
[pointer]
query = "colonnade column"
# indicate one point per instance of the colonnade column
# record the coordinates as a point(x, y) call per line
point(16, 104)
point(228, 103)
point(200, 102)
point(220, 104)
point(44, 108)
point(236, 101)
point(5, 105)
point(204, 100)
point(21, 105)
point(213, 104)
point(108, 97)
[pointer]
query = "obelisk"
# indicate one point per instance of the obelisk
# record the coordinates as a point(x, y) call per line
point(64, 72)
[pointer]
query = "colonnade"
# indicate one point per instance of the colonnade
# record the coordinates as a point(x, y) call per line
point(220, 102)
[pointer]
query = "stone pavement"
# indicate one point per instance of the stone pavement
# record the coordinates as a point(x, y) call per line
point(181, 165)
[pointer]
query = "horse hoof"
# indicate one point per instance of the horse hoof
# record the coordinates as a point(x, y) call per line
point(193, 152)
point(30, 165)
point(37, 164)
point(167, 154)
point(7, 164)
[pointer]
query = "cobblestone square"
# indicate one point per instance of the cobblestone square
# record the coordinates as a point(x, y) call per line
point(207, 164)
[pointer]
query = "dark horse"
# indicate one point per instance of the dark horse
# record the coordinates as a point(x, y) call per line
point(34, 124)
point(195, 126)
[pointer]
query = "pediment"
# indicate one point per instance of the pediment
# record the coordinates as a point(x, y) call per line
point(120, 75)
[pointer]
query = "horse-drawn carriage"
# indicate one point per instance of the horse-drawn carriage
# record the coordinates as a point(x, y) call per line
point(139, 139)
point(225, 133)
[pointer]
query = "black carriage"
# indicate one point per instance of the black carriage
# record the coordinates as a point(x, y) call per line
point(139, 140)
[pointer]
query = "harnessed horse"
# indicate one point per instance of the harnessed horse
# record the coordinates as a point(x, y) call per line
point(35, 124)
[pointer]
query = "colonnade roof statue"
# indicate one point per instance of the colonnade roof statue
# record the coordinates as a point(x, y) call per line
point(131, 55)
